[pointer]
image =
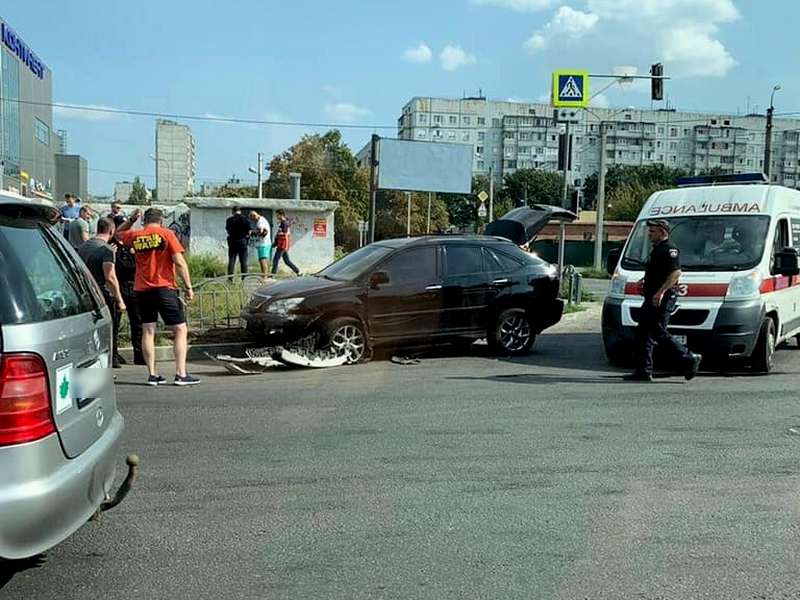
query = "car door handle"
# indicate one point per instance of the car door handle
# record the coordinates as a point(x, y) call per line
point(433, 288)
point(500, 282)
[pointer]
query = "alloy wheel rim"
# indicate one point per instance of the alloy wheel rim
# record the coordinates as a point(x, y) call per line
point(348, 341)
point(514, 332)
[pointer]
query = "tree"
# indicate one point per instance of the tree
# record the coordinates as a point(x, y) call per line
point(538, 187)
point(329, 171)
point(644, 176)
point(626, 201)
point(138, 193)
point(392, 214)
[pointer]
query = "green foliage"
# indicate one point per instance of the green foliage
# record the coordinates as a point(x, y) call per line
point(138, 193)
point(202, 266)
point(643, 177)
point(392, 210)
point(539, 187)
point(592, 274)
point(626, 201)
point(329, 171)
point(339, 252)
point(236, 191)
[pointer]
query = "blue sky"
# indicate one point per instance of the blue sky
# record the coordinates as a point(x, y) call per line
point(360, 61)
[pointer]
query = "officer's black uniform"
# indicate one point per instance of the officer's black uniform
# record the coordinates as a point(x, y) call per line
point(126, 273)
point(653, 320)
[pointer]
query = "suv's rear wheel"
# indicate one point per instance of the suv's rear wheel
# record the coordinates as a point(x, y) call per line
point(346, 336)
point(512, 332)
point(764, 353)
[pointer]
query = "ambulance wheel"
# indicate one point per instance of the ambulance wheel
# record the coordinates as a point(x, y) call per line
point(763, 359)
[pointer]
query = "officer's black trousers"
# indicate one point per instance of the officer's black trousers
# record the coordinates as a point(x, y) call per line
point(652, 331)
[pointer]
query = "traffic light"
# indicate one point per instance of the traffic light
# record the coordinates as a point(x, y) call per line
point(564, 152)
point(656, 83)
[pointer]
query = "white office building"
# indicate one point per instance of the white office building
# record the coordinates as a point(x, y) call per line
point(512, 135)
point(175, 162)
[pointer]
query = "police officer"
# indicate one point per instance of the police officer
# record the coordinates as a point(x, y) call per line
point(126, 272)
point(658, 288)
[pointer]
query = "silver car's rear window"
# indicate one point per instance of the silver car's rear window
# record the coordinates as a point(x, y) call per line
point(37, 278)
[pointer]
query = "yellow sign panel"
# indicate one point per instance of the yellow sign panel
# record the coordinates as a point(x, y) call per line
point(571, 89)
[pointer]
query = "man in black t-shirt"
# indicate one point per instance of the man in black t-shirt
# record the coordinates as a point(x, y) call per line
point(126, 274)
point(100, 257)
point(658, 288)
point(238, 228)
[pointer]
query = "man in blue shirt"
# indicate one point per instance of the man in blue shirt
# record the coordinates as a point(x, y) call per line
point(69, 212)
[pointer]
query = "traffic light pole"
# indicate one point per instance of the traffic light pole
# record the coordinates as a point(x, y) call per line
point(564, 187)
point(600, 203)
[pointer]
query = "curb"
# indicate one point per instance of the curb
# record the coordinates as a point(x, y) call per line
point(196, 351)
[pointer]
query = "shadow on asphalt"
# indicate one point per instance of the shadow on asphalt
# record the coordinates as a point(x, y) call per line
point(550, 379)
point(9, 568)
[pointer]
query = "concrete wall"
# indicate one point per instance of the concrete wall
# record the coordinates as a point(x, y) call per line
point(309, 252)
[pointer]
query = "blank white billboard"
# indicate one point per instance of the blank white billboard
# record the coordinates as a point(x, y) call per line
point(425, 166)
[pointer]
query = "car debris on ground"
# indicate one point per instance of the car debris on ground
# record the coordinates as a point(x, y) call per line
point(303, 353)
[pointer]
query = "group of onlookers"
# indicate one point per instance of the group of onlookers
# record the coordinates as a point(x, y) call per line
point(254, 229)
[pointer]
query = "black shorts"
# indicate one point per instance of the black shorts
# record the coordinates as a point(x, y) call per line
point(164, 302)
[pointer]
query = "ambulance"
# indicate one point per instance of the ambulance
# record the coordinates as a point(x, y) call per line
point(739, 290)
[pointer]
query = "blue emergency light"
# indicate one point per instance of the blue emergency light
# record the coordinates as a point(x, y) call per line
point(738, 178)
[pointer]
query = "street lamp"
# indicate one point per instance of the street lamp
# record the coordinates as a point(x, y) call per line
point(258, 172)
point(768, 132)
point(169, 176)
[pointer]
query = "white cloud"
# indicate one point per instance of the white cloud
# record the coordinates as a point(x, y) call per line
point(691, 52)
point(567, 23)
point(683, 34)
point(454, 57)
point(87, 112)
point(344, 112)
point(517, 5)
point(420, 54)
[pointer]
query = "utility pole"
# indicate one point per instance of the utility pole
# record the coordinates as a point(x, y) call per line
point(428, 227)
point(373, 184)
point(768, 133)
point(491, 191)
point(260, 171)
point(408, 220)
point(563, 228)
point(600, 203)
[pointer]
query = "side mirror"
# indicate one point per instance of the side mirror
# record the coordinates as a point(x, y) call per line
point(612, 259)
point(787, 262)
point(378, 278)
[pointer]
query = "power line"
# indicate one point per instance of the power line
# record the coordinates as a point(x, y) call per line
point(188, 117)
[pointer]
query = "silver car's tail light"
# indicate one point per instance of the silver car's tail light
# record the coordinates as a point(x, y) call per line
point(25, 413)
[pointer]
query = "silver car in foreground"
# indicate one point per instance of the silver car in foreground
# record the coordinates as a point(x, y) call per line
point(59, 424)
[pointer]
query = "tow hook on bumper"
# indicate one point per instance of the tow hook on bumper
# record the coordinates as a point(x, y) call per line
point(133, 469)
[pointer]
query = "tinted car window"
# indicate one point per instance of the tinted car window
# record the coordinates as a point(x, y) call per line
point(418, 264)
point(35, 284)
point(463, 260)
point(354, 264)
point(499, 261)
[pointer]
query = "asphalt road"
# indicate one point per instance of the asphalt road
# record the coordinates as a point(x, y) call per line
point(459, 477)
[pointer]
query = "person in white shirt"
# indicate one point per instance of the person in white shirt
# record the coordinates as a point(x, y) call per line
point(262, 240)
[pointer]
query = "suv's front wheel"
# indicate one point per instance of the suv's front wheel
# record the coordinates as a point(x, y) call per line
point(346, 336)
point(512, 332)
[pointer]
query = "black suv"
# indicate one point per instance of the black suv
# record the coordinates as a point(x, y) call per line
point(415, 291)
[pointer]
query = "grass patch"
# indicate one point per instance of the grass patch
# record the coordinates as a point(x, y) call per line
point(574, 308)
point(205, 266)
point(592, 274)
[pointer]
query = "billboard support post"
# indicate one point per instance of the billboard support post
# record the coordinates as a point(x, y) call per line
point(373, 184)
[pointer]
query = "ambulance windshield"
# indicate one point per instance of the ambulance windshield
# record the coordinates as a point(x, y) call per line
point(713, 243)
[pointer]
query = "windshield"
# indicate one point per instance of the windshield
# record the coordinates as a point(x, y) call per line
point(724, 243)
point(353, 265)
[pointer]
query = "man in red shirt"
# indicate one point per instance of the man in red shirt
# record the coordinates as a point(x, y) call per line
point(158, 255)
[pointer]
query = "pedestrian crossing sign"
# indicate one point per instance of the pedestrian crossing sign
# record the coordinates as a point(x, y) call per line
point(571, 89)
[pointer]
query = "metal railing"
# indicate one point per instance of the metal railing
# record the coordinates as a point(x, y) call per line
point(217, 303)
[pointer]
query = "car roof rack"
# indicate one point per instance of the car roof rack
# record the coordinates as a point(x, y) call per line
point(736, 179)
